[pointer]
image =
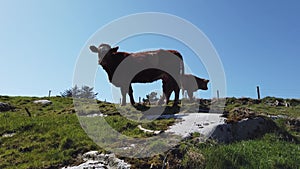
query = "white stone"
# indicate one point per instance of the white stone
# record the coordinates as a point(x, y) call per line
point(43, 102)
point(94, 159)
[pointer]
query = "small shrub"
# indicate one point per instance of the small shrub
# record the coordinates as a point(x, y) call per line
point(193, 159)
point(66, 143)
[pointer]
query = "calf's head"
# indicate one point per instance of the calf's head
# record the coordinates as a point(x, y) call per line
point(202, 83)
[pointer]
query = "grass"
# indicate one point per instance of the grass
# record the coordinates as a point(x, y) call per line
point(267, 152)
point(42, 141)
point(54, 136)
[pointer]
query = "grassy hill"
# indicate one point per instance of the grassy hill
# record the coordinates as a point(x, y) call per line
point(50, 136)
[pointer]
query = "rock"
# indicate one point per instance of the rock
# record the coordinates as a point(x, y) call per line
point(294, 124)
point(5, 107)
point(206, 123)
point(278, 103)
point(155, 132)
point(275, 117)
point(43, 102)
point(243, 130)
point(8, 134)
point(94, 159)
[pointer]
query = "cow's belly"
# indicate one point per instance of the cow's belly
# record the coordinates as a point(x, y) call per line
point(148, 76)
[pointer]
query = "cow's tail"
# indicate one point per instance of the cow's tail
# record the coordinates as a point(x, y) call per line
point(181, 72)
point(181, 77)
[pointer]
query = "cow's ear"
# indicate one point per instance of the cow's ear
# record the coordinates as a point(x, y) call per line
point(94, 49)
point(207, 81)
point(115, 49)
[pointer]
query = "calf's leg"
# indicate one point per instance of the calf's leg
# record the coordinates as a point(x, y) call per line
point(190, 94)
point(123, 92)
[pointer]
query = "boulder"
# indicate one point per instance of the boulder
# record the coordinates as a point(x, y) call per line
point(5, 107)
point(245, 129)
point(43, 102)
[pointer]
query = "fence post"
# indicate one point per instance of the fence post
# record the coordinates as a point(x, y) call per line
point(49, 93)
point(218, 94)
point(258, 92)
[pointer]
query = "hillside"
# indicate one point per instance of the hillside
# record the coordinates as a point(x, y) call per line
point(50, 136)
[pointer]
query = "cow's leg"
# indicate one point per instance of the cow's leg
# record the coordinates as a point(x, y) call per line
point(162, 99)
point(123, 92)
point(131, 95)
point(167, 90)
point(176, 100)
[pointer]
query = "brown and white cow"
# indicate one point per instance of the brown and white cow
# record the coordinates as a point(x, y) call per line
point(143, 67)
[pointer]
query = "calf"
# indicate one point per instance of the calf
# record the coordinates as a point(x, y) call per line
point(190, 83)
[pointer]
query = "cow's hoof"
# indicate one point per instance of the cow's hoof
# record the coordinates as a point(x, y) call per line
point(175, 105)
point(134, 104)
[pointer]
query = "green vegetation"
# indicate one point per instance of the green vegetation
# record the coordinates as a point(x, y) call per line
point(52, 137)
point(266, 105)
point(267, 152)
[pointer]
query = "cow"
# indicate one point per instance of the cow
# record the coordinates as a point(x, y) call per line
point(190, 83)
point(124, 68)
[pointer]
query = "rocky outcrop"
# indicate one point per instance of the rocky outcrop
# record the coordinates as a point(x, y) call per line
point(213, 126)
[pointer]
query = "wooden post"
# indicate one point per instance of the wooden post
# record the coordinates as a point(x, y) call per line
point(218, 94)
point(27, 111)
point(140, 100)
point(258, 92)
point(49, 93)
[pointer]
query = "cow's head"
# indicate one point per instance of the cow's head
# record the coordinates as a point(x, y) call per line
point(202, 83)
point(103, 50)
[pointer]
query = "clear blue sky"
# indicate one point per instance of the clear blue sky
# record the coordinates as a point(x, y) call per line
point(257, 41)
